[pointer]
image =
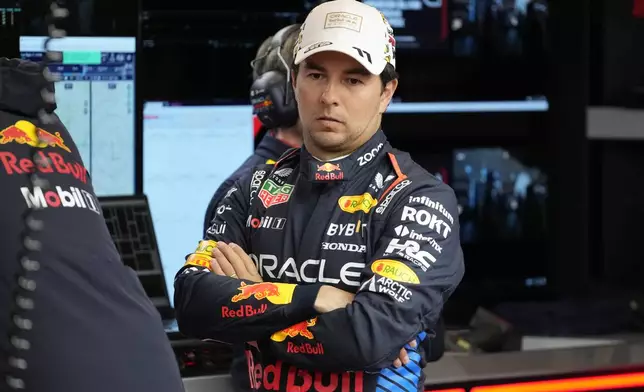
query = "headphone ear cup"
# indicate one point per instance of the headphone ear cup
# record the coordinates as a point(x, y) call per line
point(291, 114)
point(273, 101)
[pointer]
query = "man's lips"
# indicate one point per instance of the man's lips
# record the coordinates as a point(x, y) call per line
point(329, 118)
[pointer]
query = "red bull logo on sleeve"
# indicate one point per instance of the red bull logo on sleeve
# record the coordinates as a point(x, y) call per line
point(50, 162)
point(24, 132)
point(299, 329)
point(243, 311)
point(275, 293)
point(328, 172)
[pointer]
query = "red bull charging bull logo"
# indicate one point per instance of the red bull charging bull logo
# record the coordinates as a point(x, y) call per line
point(299, 329)
point(276, 293)
point(50, 161)
point(329, 167)
point(24, 132)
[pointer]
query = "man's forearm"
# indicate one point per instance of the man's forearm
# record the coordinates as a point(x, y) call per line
point(331, 342)
point(235, 311)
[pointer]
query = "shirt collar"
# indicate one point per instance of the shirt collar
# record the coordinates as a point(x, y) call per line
point(271, 148)
point(348, 167)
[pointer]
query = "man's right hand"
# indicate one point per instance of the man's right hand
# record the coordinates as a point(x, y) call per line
point(232, 261)
point(331, 298)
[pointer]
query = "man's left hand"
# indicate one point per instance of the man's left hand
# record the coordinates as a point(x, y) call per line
point(232, 261)
point(403, 357)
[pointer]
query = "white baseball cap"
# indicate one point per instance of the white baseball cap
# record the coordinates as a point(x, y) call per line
point(350, 27)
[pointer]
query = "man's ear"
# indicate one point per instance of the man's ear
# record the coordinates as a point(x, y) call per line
point(387, 95)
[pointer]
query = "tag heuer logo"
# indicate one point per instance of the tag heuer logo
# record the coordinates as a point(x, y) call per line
point(272, 194)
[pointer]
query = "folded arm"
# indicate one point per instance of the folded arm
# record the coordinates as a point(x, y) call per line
point(417, 264)
point(228, 309)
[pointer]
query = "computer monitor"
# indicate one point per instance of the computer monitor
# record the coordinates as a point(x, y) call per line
point(188, 151)
point(96, 101)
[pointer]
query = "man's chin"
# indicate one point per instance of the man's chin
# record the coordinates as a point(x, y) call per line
point(328, 140)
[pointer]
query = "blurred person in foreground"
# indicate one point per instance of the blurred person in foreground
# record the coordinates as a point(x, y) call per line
point(81, 320)
point(274, 105)
point(333, 264)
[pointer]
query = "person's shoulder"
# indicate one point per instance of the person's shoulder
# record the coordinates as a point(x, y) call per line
point(260, 163)
point(256, 174)
point(415, 182)
point(417, 174)
point(289, 156)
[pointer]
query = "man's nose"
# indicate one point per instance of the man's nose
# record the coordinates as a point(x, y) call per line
point(330, 93)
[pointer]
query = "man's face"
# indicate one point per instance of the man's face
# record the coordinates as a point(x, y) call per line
point(339, 102)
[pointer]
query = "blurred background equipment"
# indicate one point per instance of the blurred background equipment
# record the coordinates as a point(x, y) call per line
point(638, 8)
point(487, 333)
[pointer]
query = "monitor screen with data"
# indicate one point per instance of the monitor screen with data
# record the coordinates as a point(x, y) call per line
point(96, 102)
point(188, 151)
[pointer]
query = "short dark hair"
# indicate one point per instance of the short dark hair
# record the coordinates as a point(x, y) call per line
point(386, 76)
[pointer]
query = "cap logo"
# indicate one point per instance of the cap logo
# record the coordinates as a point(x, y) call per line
point(343, 20)
point(298, 42)
point(317, 45)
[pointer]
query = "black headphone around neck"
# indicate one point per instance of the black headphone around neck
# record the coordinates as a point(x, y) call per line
point(271, 94)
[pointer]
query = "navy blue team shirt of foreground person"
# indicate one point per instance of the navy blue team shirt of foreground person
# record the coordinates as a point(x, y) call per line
point(88, 308)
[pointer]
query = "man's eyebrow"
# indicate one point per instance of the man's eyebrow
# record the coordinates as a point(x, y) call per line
point(358, 71)
point(313, 66)
point(362, 71)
